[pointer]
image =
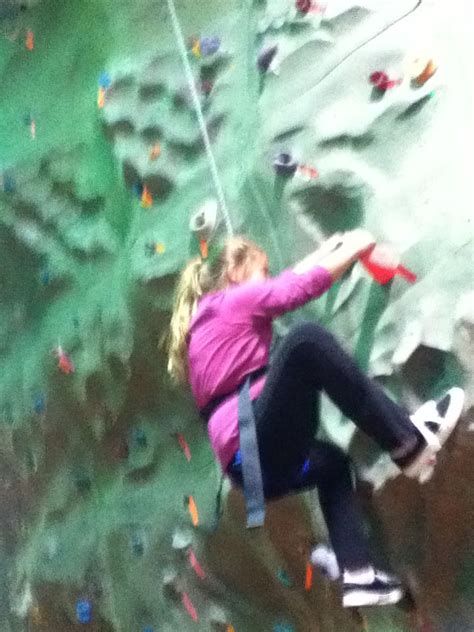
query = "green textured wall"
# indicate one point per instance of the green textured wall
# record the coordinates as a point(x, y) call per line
point(93, 480)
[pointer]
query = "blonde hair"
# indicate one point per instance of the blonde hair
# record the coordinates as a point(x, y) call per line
point(198, 278)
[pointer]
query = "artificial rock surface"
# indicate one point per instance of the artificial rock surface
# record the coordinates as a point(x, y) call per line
point(94, 482)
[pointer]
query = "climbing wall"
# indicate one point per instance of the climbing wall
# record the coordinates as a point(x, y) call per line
point(118, 121)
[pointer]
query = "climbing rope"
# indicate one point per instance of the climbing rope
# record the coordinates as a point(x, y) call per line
point(202, 123)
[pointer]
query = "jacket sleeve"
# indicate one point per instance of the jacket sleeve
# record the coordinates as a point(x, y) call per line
point(277, 295)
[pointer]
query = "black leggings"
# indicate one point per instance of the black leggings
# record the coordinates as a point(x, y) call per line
point(309, 360)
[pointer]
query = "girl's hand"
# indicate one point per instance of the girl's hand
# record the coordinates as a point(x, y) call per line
point(359, 241)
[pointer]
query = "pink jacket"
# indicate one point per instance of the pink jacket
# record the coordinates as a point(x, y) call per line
point(230, 336)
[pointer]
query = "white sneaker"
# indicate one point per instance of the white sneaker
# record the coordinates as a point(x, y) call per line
point(435, 421)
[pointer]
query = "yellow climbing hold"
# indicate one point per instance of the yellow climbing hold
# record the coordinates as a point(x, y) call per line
point(147, 198)
point(160, 248)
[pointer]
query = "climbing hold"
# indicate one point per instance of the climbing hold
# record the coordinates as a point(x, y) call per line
point(195, 565)
point(266, 57)
point(84, 611)
point(382, 81)
point(204, 249)
point(183, 444)
point(101, 97)
point(283, 627)
point(422, 72)
point(154, 248)
point(304, 6)
point(39, 405)
point(284, 578)
point(30, 40)
point(64, 362)
point(148, 629)
point(204, 220)
point(155, 151)
point(209, 45)
point(206, 87)
point(284, 164)
point(307, 173)
point(45, 276)
point(160, 249)
point(192, 508)
point(137, 545)
point(139, 438)
point(137, 189)
point(308, 582)
point(147, 198)
point(383, 263)
point(104, 80)
point(7, 183)
point(191, 610)
point(305, 468)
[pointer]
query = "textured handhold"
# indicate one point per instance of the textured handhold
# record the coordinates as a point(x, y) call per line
point(84, 611)
point(285, 164)
point(266, 57)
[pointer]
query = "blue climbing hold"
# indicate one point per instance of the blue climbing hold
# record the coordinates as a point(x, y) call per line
point(84, 611)
point(209, 45)
point(139, 437)
point(305, 468)
point(8, 183)
point(138, 547)
point(148, 629)
point(45, 276)
point(283, 578)
point(39, 404)
point(104, 80)
point(283, 627)
point(138, 189)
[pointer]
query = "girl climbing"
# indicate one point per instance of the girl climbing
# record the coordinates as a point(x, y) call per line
point(220, 337)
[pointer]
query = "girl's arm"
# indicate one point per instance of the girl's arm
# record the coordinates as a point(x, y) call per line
point(338, 253)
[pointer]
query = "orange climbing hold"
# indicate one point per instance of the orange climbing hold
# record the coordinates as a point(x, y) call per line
point(308, 582)
point(193, 512)
point(147, 199)
point(30, 40)
point(64, 362)
point(204, 248)
point(101, 98)
point(155, 151)
point(426, 74)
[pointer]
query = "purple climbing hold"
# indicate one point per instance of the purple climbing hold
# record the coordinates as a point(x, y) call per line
point(266, 57)
point(284, 164)
point(209, 45)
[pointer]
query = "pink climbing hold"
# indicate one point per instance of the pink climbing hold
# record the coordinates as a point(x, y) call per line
point(382, 81)
point(195, 564)
point(191, 610)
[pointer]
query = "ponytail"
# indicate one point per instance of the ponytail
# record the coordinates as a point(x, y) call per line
point(187, 294)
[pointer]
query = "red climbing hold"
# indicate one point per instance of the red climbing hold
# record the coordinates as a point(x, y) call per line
point(383, 263)
point(304, 6)
point(382, 81)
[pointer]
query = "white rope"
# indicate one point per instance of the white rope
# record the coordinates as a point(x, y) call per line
point(200, 116)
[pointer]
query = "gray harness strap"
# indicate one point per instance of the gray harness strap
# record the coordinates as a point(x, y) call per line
point(251, 471)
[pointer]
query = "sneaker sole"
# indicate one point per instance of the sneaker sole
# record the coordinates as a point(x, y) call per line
point(359, 598)
point(423, 467)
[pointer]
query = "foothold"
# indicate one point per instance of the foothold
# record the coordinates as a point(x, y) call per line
point(147, 198)
point(139, 438)
point(284, 578)
point(209, 45)
point(40, 404)
point(192, 508)
point(191, 610)
point(84, 611)
point(64, 362)
point(30, 40)
point(155, 151)
point(284, 164)
point(266, 57)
